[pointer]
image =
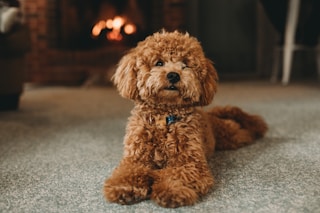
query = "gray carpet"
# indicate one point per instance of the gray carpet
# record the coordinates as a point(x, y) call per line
point(56, 151)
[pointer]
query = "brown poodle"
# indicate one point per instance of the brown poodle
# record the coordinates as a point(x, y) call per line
point(169, 138)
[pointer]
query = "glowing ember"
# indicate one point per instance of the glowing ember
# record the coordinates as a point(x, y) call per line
point(115, 25)
point(114, 35)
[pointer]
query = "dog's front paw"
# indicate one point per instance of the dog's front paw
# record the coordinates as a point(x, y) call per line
point(125, 194)
point(173, 195)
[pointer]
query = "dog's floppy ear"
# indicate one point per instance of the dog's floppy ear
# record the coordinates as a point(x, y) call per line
point(125, 77)
point(209, 84)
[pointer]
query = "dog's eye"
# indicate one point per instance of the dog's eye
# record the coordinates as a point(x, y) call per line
point(159, 63)
point(184, 66)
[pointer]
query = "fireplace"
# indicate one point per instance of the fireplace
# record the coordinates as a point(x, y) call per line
point(72, 40)
point(82, 25)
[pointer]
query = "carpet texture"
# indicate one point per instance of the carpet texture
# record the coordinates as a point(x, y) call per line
point(57, 150)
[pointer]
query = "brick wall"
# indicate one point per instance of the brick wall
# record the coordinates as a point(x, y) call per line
point(58, 66)
point(35, 18)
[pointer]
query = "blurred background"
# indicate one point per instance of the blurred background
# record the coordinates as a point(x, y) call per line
point(72, 42)
point(62, 122)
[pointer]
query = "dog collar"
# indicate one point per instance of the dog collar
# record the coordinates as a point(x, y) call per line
point(170, 119)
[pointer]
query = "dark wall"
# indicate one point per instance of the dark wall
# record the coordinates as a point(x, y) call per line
point(227, 30)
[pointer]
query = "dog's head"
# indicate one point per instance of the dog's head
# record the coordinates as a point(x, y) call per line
point(167, 68)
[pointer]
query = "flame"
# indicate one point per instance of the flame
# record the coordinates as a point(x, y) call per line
point(117, 22)
point(109, 24)
point(98, 27)
point(115, 25)
point(96, 30)
point(130, 29)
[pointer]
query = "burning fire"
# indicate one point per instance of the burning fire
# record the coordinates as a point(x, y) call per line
point(114, 26)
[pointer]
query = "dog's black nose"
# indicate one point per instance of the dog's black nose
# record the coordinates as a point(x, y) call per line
point(173, 77)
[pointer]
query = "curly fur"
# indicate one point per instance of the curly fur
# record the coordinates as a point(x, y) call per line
point(168, 77)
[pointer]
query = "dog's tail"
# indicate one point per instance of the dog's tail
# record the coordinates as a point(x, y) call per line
point(234, 128)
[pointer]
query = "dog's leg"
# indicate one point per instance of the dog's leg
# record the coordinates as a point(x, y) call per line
point(129, 183)
point(234, 128)
point(181, 186)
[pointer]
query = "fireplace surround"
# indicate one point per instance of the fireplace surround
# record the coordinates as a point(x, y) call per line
point(63, 48)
